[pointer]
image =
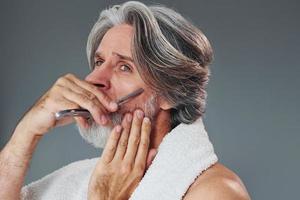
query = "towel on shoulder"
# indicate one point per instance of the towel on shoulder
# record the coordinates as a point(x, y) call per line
point(183, 155)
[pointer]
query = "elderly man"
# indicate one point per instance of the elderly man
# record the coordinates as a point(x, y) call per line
point(130, 47)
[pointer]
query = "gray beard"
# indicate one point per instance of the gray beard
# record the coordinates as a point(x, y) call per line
point(97, 135)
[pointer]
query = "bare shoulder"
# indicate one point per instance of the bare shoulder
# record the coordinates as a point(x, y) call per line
point(217, 182)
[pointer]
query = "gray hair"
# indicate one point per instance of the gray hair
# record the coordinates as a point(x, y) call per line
point(171, 54)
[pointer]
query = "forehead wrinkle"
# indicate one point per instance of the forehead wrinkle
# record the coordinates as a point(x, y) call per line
point(124, 57)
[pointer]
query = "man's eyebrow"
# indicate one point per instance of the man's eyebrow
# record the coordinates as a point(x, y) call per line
point(98, 55)
point(123, 56)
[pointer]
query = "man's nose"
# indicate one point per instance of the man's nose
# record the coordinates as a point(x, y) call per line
point(100, 76)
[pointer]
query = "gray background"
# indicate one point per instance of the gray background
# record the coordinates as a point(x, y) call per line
point(252, 115)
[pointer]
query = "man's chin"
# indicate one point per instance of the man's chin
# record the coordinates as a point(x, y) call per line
point(95, 134)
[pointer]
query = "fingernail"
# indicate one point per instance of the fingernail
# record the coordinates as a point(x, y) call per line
point(147, 120)
point(103, 119)
point(129, 117)
point(113, 105)
point(118, 129)
point(140, 114)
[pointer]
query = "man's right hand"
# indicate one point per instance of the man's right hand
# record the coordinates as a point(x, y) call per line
point(68, 92)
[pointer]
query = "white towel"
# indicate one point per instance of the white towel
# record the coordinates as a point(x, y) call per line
point(182, 156)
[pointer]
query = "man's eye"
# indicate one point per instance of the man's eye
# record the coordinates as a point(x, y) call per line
point(125, 68)
point(98, 62)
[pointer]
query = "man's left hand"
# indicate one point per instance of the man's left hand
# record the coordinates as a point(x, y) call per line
point(124, 159)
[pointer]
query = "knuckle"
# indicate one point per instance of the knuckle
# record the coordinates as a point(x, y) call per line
point(114, 138)
point(146, 133)
point(92, 87)
point(91, 96)
point(69, 75)
point(92, 104)
point(138, 123)
point(144, 144)
point(111, 149)
point(136, 140)
point(126, 168)
point(84, 98)
point(146, 127)
point(139, 169)
point(88, 102)
point(105, 98)
point(123, 143)
point(60, 81)
point(55, 88)
point(105, 159)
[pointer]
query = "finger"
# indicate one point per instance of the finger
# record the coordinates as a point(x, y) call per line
point(122, 145)
point(134, 137)
point(67, 82)
point(69, 86)
point(67, 104)
point(64, 121)
point(82, 122)
point(111, 145)
point(142, 152)
point(90, 103)
point(104, 99)
point(62, 103)
point(151, 155)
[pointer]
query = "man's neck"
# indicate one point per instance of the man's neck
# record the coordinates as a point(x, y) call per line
point(160, 127)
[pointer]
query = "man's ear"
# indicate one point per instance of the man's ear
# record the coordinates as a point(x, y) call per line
point(164, 104)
